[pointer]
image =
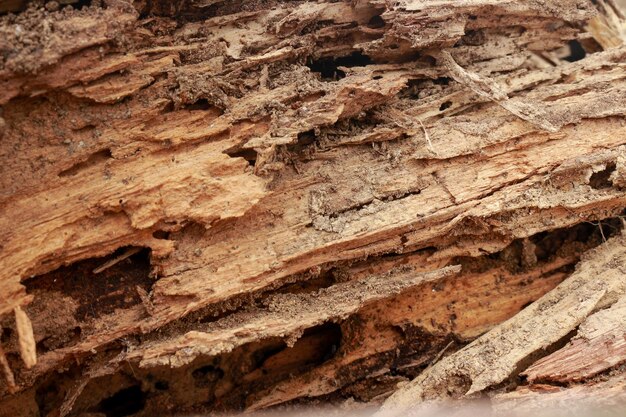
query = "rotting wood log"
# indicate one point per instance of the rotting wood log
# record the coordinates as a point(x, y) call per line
point(217, 206)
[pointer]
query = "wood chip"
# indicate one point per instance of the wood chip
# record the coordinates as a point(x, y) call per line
point(27, 344)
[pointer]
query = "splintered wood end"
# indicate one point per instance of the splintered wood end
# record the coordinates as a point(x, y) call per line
point(26, 338)
point(6, 370)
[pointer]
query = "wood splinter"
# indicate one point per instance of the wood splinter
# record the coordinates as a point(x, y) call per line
point(130, 252)
point(145, 300)
point(8, 373)
point(26, 338)
point(530, 112)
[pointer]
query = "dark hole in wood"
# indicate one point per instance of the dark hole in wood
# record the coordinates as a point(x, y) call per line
point(304, 139)
point(249, 155)
point(577, 52)
point(376, 22)
point(200, 104)
point(161, 234)
point(6, 335)
point(123, 403)
point(161, 385)
point(328, 67)
point(207, 376)
point(80, 4)
point(100, 293)
point(445, 105)
point(601, 179)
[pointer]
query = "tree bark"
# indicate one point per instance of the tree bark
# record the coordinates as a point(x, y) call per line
point(212, 206)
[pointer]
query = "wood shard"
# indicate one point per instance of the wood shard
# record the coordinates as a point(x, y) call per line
point(127, 254)
point(7, 372)
point(532, 113)
point(26, 339)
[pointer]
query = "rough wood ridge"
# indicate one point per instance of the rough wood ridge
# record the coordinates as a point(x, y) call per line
point(213, 205)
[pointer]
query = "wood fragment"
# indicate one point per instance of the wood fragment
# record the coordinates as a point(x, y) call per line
point(430, 144)
point(127, 254)
point(7, 372)
point(145, 300)
point(74, 392)
point(26, 339)
point(599, 345)
point(440, 354)
point(531, 112)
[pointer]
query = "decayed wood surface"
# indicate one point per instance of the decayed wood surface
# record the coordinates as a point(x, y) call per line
point(217, 206)
point(498, 354)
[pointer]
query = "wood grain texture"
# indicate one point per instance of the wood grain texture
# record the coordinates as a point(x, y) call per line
point(174, 175)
